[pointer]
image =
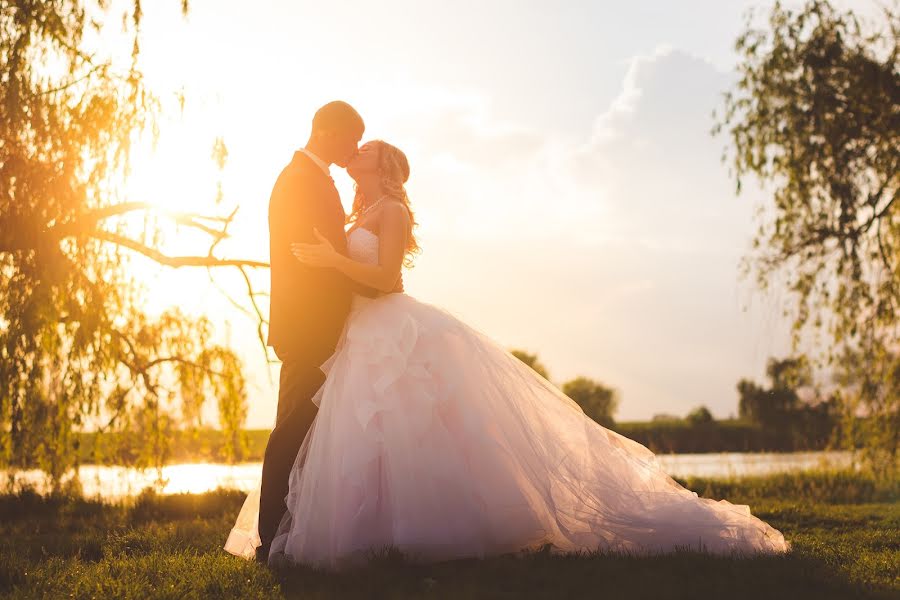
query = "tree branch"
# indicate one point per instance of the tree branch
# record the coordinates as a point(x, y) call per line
point(90, 219)
point(173, 261)
point(178, 359)
point(261, 321)
point(77, 80)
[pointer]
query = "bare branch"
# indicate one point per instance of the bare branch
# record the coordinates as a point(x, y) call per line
point(252, 294)
point(173, 261)
point(77, 80)
point(90, 219)
point(227, 296)
point(178, 359)
point(224, 232)
point(261, 321)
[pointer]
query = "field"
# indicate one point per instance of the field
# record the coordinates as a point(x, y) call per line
point(845, 531)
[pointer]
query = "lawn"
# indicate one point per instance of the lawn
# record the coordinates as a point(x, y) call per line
point(845, 531)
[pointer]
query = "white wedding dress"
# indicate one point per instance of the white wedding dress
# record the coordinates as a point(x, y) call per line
point(431, 438)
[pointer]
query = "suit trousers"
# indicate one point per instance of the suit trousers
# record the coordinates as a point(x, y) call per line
point(299, 381)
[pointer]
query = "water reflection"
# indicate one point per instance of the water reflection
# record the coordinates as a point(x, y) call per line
point(741, 464)
point(118, 482)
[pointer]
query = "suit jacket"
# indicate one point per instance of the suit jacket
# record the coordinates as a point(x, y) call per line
point(308, 306)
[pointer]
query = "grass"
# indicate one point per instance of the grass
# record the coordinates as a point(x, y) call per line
point(820, 486)
point(845, 530)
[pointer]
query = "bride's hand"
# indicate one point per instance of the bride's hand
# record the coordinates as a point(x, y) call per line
point(321, 254)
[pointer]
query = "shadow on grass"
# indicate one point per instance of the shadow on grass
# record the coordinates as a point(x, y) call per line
point(171, 547)
point(597, 575)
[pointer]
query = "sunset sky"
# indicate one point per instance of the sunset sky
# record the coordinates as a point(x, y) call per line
point(572, 201)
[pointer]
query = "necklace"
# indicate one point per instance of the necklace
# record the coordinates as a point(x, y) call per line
point(369, 208)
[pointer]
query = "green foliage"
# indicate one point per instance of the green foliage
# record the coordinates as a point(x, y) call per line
point(185, 446)
point(171, 547)
point(77, 347)
point(771, 407)
point(725, 435)
point(664, 418)
point(815, 116)
point(595, 399)
point(532, 361)
point(699, 416)
point(780, 409)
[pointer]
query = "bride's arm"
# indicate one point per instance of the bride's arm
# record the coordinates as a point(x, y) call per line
point(391, 250)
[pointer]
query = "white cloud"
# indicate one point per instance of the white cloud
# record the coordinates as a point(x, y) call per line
point(613, 256)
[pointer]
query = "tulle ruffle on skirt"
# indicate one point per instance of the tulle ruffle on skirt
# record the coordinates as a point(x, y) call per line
point(433, 439)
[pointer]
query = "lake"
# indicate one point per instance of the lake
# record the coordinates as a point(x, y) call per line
point(118, 482)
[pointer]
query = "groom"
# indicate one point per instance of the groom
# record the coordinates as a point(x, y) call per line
point(308, 306)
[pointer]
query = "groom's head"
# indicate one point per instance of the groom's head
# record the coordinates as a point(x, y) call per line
point(336, 131)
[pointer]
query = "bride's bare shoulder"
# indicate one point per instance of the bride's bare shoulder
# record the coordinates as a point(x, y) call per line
point(394, 210)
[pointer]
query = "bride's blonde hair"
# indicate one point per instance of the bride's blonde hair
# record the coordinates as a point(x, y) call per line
point(394, 170)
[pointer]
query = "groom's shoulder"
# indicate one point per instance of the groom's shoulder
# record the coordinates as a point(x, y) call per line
point(295, 174)
point(299, 166)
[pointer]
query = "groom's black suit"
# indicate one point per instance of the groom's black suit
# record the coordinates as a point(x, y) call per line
point(308, 307)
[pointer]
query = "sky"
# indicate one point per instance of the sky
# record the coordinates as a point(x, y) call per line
point(571, 199)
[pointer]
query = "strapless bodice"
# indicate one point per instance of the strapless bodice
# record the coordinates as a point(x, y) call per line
point(362, 246)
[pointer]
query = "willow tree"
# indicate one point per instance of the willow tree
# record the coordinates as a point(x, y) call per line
point(77, 347)
point(815, 115)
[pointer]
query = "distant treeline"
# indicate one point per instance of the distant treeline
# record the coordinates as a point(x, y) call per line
point(671, 436)
point(772, 418)
point(203, 445)
point(727, 435)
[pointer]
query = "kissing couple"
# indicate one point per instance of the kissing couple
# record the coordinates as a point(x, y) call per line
point(399, 426)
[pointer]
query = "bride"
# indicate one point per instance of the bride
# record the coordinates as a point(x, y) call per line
point(432, 439)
